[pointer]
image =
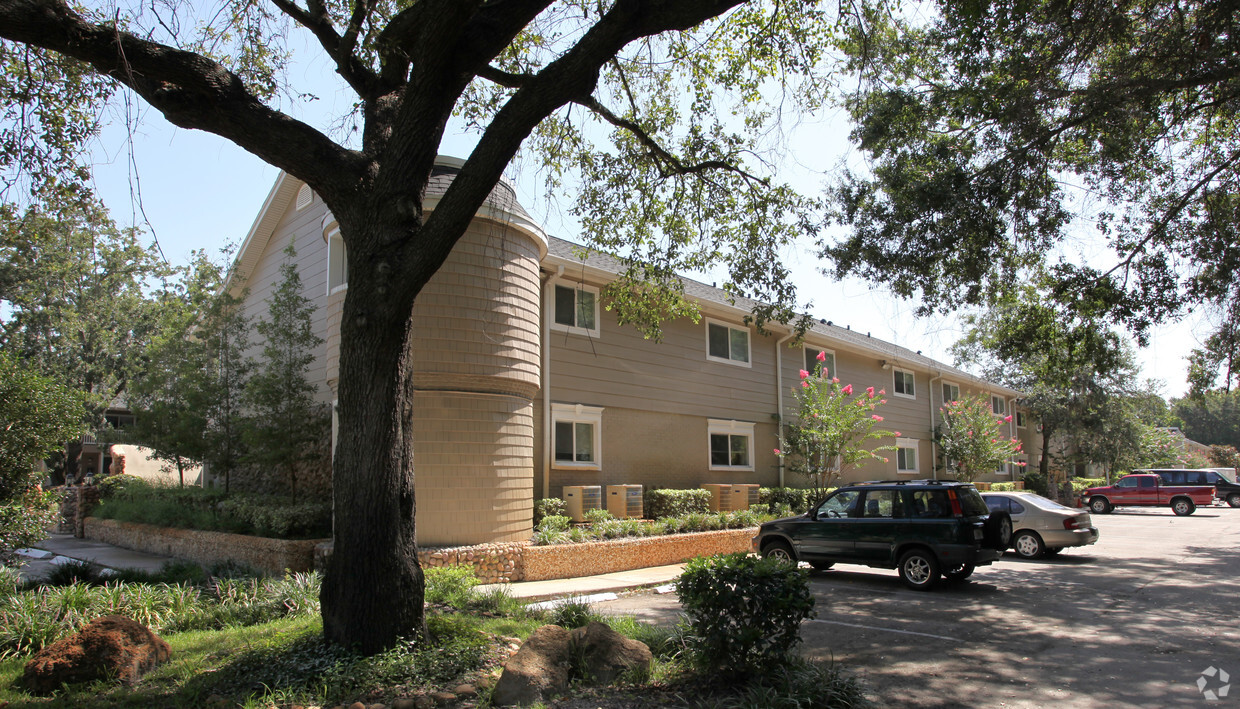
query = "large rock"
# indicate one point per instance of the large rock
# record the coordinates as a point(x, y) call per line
point(111, 647)
point(537, 671)
point(606, 654)
point(543, 666)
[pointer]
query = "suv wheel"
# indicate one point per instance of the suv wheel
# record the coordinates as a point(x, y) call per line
point(1099, 505)
point(1028, 545)
point(959, 573)
point(1183, 506)
point(919, 570)
point(998, 531)
point(780, 552)
point(1234, 499)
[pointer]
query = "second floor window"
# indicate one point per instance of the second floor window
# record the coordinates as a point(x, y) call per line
point(998, 405)
point(725, 343)
point(576, 307)
point(904, 384)
point(811, 360)
point(951, 393)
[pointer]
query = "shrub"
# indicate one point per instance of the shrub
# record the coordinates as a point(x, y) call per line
point(137, 501)
point(599, 515)
point(116, 484)
point(744, 613)
point(1035, 481)
point(10, 581)
point(549, 507)
point(281, 517)
point(675, 503)
point(450, 585)
point(1080, 484)
point(574, 613)
point(1002, 487)
point(796, 499)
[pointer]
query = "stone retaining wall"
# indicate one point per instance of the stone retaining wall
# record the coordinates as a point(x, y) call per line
point(270, 555)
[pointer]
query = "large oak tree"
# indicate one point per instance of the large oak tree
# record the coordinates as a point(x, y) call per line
point(653, 107)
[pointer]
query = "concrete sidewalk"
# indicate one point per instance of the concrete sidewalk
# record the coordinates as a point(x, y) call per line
point(61, 548)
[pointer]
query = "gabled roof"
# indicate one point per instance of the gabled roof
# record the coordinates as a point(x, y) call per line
point(822, 332)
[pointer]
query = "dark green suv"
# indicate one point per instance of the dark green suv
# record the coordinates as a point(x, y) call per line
point(923, 528)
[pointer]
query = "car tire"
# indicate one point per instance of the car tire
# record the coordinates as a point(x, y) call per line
point(1099, 505)
point(1234, 499)
point(919, 570)
point(1028, 545)
point(779, 551)
point(821, 565)
point(959, 573)
point(1183, 506)
point(998, 531)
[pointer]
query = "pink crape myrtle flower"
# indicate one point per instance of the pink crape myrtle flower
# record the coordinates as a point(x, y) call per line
point(896, 434)
point(876, 417)
point(882, 392)
point(822, 356)
point(1008, 418)
point(804, 385)
point(778, 452)
point(847, 390)
point(835, 380)
point(804, 374)
point(869, 391)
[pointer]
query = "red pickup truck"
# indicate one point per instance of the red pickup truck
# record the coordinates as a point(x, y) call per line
point(1146, 491)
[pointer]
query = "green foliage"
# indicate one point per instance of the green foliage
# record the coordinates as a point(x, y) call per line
point(285, 421)
point(548, 507)
point(1003, 487)
point(1036, 482)
point(599, 515)
point(1080, 484)
point(744, 612)
point(574, 613)
point(675, 503)
point(795, 499)
point(113, 485)
point(214, 510)
point(971, 439)
point(1224, 457)
point(832, 429)
point(450, 585)
point(1213, 418)
point(10, 581)
point(37, 416)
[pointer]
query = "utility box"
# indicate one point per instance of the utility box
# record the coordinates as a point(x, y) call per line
point(744, 496)
point(580, 499)
point(624, 501)
point(720, 497)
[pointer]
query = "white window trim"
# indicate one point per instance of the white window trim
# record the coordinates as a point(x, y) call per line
point(958, 391)
point(573, 329)
point(578, 413)
point(915, 444)
point(993, 399)
point(337, 263)
point(730, 326)
point(894, 372)
point(731, 428)
point(830, 353)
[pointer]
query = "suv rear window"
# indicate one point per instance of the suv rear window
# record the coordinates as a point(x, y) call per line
point(971, 502)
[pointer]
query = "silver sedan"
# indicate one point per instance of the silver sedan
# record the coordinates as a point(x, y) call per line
point(1041, 526)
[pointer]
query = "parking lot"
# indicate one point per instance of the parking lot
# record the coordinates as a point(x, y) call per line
point(1131, 621)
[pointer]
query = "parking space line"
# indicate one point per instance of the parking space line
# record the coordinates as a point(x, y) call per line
point(889, 630)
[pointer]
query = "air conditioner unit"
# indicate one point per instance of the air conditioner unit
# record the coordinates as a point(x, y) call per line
point(624, 501)
point(744, 496)
point(580, 499)
point(720, 497)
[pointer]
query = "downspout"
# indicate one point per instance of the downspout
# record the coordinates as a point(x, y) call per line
point(934, 456)
point(779, 397)
point(547, 300)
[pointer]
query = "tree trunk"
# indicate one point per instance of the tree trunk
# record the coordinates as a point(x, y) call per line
point(372, 592)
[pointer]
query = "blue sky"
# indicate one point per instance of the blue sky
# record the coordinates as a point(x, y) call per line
point(200, 191)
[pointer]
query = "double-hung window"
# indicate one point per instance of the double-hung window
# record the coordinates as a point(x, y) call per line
point(731, 445)
point(727, 343)
point(576, 309)
point(906, 455)
point(828, 361)
point(998, 405)
point(904, 384)
point(951, 393)
point(1020, 419)
point(578, 436)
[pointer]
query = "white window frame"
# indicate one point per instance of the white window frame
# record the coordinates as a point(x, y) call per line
point(954, 386)
point(575, 414)
point(1001, 410)
point(575, 329)
point(730, 428)
point(897, 372)
point(1020, 419)
point(830, 356)
point(337, 263)
point(730, 327)
point(913, 444)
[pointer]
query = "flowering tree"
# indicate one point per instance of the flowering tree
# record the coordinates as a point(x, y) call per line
point(970, 439)
point(831, 429)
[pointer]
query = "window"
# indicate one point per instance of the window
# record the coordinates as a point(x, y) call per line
point(951, 393)
point(731, 445)
point(998, 405)
point(840, 504)
point(998, 504)
point(811, 360)
point(928, 504)
point(1127, 482)
point(882, 504)
point(337, 263)
point(1020, 419)
point(906, 455)
point(577, 434)
point(576, 309)
point(725, 343)
point(904, 384)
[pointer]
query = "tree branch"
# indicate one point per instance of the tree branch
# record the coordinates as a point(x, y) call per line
point(339, 48)
point(190, 90)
